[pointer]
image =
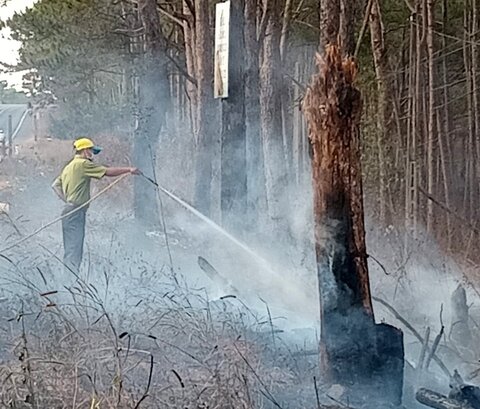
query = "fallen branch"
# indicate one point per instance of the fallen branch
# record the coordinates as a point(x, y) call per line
point(438, 401)
point(435, 345)
point(413, 331)
point(424, 350)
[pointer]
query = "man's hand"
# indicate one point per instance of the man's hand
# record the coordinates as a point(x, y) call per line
point(57, 188)
point(135, 171)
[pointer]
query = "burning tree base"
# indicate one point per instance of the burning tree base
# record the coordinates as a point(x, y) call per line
point(364, 357)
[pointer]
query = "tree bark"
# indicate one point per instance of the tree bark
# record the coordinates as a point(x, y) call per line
point(233, 152)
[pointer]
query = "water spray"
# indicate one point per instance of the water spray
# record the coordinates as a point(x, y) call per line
point(209, 221)
point(294, 292)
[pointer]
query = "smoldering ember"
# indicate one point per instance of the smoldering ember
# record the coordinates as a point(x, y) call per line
point(239, 204)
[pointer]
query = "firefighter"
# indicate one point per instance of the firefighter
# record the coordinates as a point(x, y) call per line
point(73, 188)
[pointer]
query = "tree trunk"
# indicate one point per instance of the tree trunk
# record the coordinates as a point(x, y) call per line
point(469, 160)
point(287, 18)
point(444, 139)
point(233, 155)
point(347, 26)
point(256, 195)
point(190, 57)
point(286, 92)
point(475, 104)
point(410, 164)
point(353, 350)
point(270, 111)
point(153, 101)
point(431, 112)
point(416, 111)
point(381, 69)
point(205, 118)
point(329, 22)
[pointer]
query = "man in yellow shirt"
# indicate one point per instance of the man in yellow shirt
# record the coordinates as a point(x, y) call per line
point(73, 187)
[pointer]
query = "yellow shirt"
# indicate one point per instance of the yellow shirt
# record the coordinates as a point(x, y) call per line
point(74, 181)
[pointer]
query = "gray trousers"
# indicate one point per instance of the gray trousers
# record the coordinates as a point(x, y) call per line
point(73, 228)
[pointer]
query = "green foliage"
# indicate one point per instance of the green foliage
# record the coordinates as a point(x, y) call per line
point(11, 95)
point(78, 55)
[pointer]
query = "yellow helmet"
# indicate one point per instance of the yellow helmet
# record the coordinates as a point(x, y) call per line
point(85, 143)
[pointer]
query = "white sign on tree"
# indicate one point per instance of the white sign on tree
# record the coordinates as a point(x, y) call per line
point(222, 35)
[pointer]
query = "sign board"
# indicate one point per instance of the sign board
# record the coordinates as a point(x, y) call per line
point(222, 37)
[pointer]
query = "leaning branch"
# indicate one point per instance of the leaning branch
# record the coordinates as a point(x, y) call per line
point(413, 331)
point(364, 27)
point(449, 211)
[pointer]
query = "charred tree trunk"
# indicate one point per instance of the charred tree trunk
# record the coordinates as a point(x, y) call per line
point(233, 152)
point(153, 98)
point(353, 349)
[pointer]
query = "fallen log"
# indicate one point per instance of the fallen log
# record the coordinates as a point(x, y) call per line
point(438, 401)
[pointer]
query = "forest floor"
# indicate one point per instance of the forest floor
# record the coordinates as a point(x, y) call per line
point(95, 333)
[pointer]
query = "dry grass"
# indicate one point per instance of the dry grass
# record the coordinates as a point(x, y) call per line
point(140, 340)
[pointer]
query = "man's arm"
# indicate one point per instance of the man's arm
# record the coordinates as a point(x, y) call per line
point(121, 171)
point(57, 188)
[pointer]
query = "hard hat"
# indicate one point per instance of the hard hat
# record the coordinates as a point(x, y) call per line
point(85, 143)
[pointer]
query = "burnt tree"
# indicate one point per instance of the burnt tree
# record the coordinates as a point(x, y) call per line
point(354, 351)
